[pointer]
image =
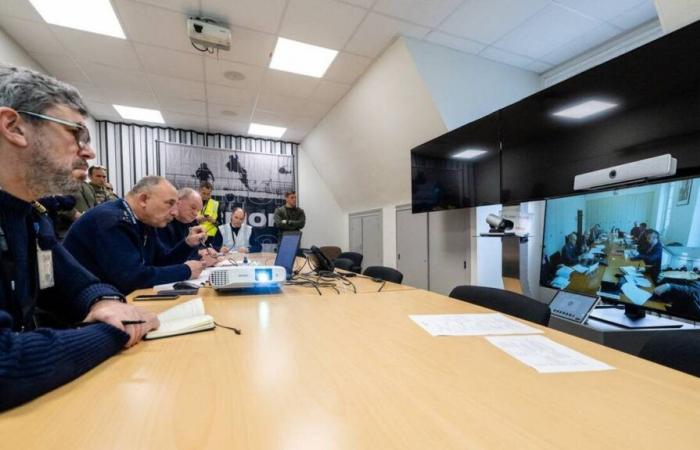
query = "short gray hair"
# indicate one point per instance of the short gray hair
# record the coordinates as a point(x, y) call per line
point(25, 89)
point(185, 193)
point(146, 184)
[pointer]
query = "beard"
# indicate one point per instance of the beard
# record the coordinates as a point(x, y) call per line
point(44, 174)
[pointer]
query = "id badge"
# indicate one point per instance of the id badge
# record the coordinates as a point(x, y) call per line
point(44, 260)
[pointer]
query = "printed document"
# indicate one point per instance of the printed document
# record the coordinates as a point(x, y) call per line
point(546, 356)
point(636, 295)
point(471, 324)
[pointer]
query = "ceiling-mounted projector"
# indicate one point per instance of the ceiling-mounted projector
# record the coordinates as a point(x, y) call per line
point(208, 34)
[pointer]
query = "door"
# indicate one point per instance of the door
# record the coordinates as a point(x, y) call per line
point(412, 246)
point(447, 249)
point(366, 236)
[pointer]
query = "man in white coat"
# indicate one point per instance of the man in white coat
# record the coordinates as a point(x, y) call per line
point(235, 236)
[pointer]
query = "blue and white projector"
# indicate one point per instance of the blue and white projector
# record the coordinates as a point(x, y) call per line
point(246, 277)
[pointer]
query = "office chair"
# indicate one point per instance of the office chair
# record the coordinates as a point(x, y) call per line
point(678, 350)
point(343, 263)
point(331, 251)
point(356, 259)
point(384, 273)
point(504, 301)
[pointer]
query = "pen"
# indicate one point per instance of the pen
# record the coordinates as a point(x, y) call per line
point(133, 322)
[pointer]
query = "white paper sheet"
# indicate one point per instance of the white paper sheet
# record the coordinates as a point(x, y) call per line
point(564, 271)
point(629, 270)
point(546, 356)
point(580, 268)
point(559, 283)
point(471, 324)
point(636, 295)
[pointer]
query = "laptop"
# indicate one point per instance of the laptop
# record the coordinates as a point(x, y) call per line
point(287, 251)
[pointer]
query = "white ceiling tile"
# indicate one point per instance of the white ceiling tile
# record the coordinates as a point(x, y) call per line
point(109, 77)
point(268, 118)
point(429, 13)
point(238, 128)
point(637, 16)
point(329, 92)
point(367, 4)
point(285, 83)
point(249, 47)
point(185, 121)
point(503, 56)
point(20, 9)
point(177, 88)
point(256, 14)
point(487, 20)
point(377, 31)
point(320, 22)
point(31, 36)
point(581, 44)
point(294, 135)
point(230, 96)
point(187, 7)
point(61, 67)
point(602, 9)
point(456, 43)
point(346, 68)
point(97, 48)
point(546, 31)
point(178, 105)
point(224, 112)
point(139, 22)
point(102, 111)
point(280, 104)
point(215, 70)
point(166, 62)
point(119, 96)
point(538, 67)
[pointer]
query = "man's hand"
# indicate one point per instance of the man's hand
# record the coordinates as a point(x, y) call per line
point(209, 260)
point(225, 250)
point(242, 250)
point(662, 289)
point(196, 236)
point(196, 268)
point(113, 312)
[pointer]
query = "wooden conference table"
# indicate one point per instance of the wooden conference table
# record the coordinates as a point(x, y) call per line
point(352, 371)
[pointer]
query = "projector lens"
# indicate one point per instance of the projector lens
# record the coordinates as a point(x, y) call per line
point(263, 275)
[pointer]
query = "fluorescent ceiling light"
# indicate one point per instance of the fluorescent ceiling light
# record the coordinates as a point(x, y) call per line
point(95, 16)
point(140, 114)
point(469, 154)
point(304, 59)
point(258, 129)
point(585, 109)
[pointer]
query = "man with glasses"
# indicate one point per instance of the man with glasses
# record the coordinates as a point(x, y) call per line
point(42, 132)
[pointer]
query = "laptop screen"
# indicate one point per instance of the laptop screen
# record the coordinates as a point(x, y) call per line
point(287, 251)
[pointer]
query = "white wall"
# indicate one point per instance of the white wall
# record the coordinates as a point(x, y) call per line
point(466, 87)
point(12, 54)
point(361, 149)
point(326, 224)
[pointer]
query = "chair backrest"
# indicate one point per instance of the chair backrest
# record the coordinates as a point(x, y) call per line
point(504, 301)
point(343, 263)
point(356, 259)
point(385, 273)
point(678, 350)
point(331, 251)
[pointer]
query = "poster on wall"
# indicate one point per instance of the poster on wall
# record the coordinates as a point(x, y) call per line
point(253, 181)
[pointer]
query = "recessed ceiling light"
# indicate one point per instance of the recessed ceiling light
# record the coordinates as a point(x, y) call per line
point(95, 16)
point(585, 109)
point(234, 76)
point(140, 114)
point(301, 58)
point(469, 153)
point(257, 129)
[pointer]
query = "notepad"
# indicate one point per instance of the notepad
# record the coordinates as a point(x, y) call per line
point(188, 317)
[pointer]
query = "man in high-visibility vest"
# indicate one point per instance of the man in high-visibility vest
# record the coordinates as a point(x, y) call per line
point(208, 216)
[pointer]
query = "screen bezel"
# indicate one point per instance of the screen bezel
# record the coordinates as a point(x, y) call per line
point(609, 189)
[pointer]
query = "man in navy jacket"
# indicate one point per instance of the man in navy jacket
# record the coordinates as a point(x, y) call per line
point(189, 203)
point(117, 241)
point(42, 132)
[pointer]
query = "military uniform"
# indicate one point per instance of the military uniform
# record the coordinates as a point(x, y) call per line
point(113, 244)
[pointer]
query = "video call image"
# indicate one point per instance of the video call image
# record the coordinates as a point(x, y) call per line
point(637, 245)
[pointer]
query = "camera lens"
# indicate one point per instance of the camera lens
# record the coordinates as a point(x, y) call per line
point(613, 173)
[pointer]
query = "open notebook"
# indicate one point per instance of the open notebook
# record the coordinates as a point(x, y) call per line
point(188, 317)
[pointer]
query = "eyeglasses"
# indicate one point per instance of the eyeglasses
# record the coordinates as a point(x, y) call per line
point(80, 131)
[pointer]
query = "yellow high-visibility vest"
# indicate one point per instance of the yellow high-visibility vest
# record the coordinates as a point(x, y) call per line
point(211, 209)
